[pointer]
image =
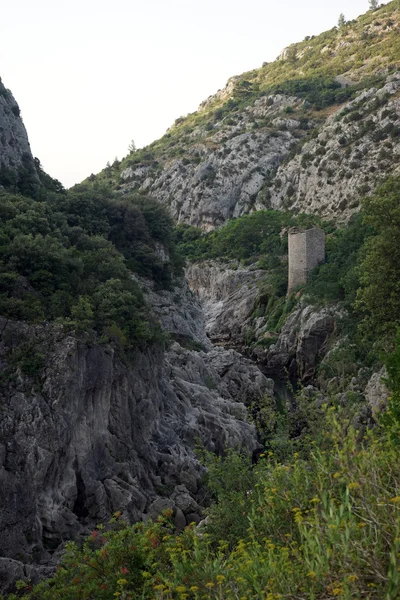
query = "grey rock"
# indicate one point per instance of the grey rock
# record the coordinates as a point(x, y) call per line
point(376, 392)
point(159, 506)
point(184, 500)
point(100, 436)
point(14, 570)
point(14, 143)
point(228, 292)
point(180, 520)
point(345, 161)
point(243, 169)
point(302, 341)
point(193, 518)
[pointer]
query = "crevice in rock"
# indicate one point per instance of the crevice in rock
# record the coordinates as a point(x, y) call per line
point(79, 508)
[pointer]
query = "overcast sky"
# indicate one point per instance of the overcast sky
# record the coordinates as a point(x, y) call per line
point(91, 75)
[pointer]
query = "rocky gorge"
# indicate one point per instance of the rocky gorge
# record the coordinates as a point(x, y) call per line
point(111, 384)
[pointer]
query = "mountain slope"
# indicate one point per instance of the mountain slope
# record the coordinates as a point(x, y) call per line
point(328, 106)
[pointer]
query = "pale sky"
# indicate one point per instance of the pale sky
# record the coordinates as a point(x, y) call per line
point(91, 75)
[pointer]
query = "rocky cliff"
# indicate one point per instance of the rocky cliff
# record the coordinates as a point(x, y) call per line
point(14, 143)
point(314, 132)
point(242, 169)
point(87, 430)
point(89, 434)
point(231, 295)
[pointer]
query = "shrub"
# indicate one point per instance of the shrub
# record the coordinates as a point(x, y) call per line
point(325, 526)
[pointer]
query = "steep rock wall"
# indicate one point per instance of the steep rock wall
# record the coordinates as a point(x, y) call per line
point(14, 143)
point(91, 434)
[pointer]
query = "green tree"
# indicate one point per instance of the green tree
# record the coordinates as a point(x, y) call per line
point(373, 4)
point(341, 21)
point(82, 313)
point(379, 295)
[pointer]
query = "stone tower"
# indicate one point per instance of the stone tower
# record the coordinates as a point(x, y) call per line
point(306, 251)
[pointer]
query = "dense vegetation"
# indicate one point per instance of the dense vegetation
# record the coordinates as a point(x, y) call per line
point(318, 517)
point(322, 524)
point(69, 256)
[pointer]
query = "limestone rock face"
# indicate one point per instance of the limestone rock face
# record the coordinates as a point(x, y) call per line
point(346, 160)
point(376, 392)
point(302, 341)
point(228, 171)
point(236, 168)
point(262, 158)
point(228, 293)
point(14, 144)
point(93, 434)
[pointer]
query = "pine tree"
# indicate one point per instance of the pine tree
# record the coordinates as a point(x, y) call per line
point(341, 21)
point(373, 4)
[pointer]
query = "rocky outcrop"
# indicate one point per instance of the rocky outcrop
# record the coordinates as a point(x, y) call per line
point(265, 157)
point(355, 147)
point(228, 292)
point(14, 144)
point(89, 433)
point(376, 392)
point(301, 343)
point(227, 168)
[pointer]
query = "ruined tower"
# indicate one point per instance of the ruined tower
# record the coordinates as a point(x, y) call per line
point(306, 251)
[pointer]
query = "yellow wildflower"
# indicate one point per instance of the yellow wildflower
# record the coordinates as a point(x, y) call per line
point(194, 588)
point(353, 485)
point(210, 584)
point(181, 589)
point(312, 574)
point(146, 574)
point(395, 500)
point(122, 581)
point(337, 591)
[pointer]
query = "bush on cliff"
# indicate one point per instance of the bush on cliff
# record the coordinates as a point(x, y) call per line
point(76, 251)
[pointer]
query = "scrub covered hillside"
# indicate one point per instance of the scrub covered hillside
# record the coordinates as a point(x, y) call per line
point(314, 131)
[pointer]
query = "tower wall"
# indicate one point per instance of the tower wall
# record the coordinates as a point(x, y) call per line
point(306, 251)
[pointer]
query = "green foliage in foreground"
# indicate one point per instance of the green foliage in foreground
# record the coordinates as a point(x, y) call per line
point(317, 528)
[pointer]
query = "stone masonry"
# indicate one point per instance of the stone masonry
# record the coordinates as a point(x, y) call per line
point(306, 251)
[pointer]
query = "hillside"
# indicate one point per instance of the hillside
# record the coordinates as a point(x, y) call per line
point(313, 131)
point(175, 425)
point(107, 378)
